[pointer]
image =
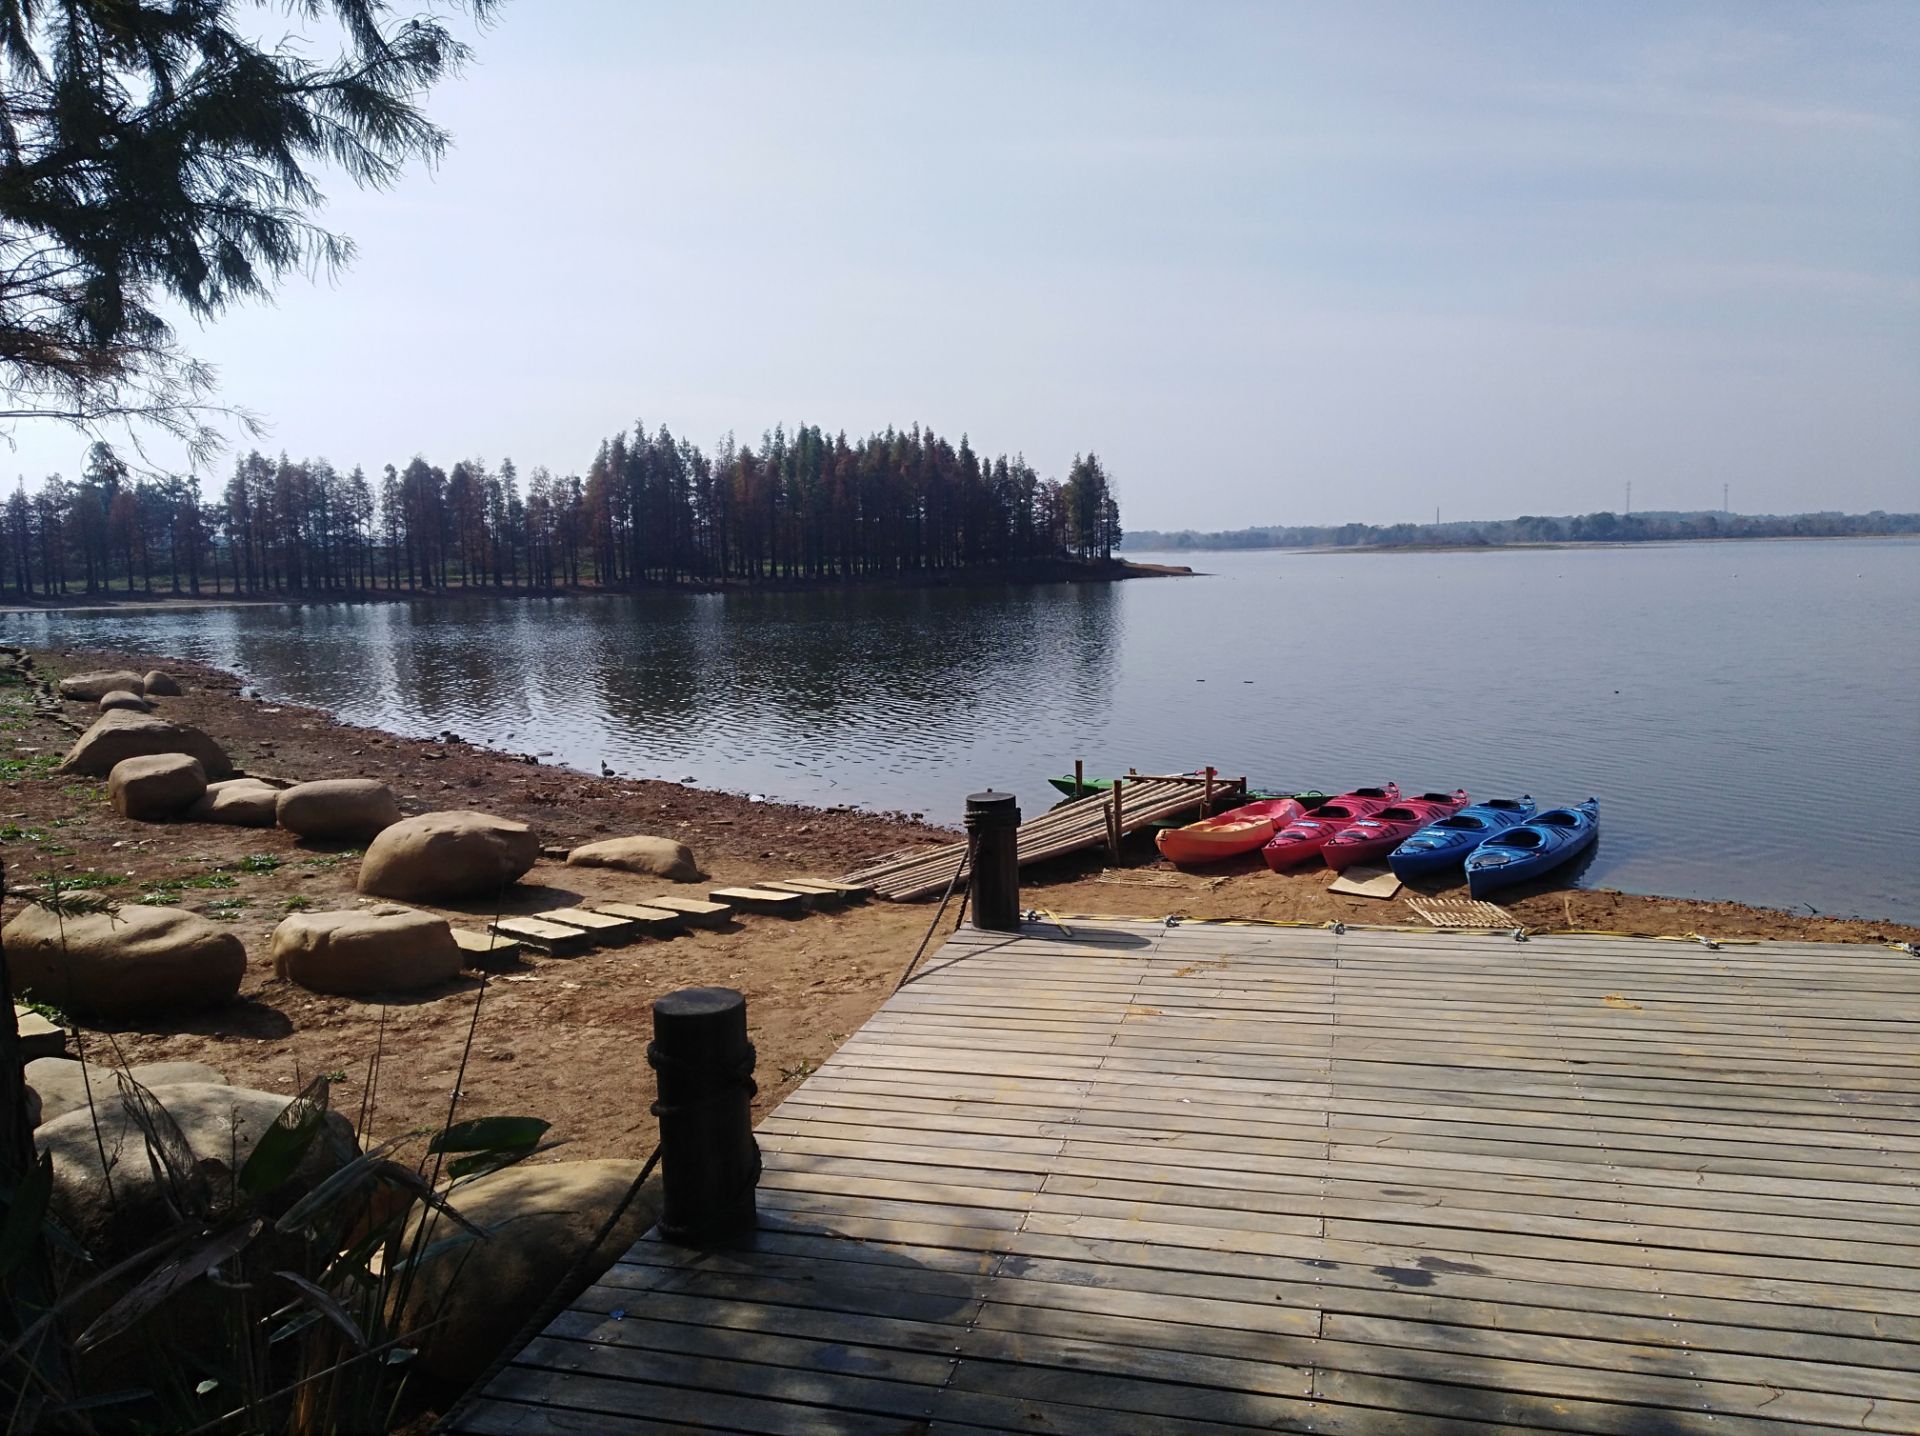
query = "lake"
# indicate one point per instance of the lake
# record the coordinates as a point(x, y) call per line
point(1748, 713)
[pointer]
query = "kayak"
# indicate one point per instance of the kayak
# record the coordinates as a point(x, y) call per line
point(1228, 834)
point(1533, 847)
point(1380, 834)
point(1445, 844)
point(1301, 839)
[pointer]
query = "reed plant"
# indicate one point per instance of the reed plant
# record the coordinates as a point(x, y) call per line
point(271, 1293)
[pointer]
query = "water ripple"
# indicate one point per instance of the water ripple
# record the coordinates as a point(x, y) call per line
point(1743, 710)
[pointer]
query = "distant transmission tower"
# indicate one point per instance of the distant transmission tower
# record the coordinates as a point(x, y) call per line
point(1723, 499)
point(1629, 498)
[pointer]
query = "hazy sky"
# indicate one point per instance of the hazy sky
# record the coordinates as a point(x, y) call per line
point(1275, 263)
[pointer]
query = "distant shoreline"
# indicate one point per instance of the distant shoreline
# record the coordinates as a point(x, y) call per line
point(1062, 571)
point(1671, 542)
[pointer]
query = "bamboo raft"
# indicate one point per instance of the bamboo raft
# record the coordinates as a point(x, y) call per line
point(1135, 802)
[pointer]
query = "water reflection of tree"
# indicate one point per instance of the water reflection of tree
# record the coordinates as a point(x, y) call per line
point(838, 680)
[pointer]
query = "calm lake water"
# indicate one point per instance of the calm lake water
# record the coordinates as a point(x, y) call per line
point(1748, 713)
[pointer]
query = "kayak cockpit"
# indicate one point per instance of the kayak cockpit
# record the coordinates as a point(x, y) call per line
point(1515, 838)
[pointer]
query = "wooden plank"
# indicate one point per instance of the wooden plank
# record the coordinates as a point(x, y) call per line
point(1114, 1177)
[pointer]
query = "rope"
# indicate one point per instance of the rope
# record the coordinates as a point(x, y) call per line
point(964, 865)
point(547, 1309)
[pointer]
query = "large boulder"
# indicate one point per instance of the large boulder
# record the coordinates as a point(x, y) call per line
point(238, 802)
point(120, 735)
point(92, 687)
point(128, 963)
point(156, 788)
point(221, 1124)
point(438, 856)
point(63, 1084)
point(650, 857)
point(538, 1220)
point(379, 949)
point(160, 684)
point(337, 808)
point(124, 698)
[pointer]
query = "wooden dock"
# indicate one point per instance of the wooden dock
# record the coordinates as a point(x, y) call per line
point(1124, 1178)
point(1136, 801)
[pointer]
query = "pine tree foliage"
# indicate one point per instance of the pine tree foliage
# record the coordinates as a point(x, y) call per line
point(152, 153)
point(651, 509)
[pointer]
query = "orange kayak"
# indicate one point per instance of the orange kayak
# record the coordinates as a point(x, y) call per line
point(1228, 834)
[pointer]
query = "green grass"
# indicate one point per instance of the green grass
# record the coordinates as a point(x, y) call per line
point(97, 792)
point(255, 863)
point(163, 892)
point(14, 833)
point(296, 903)
point(83, 882)
point(34, 765)
point(226, 909)
point(45, 1009)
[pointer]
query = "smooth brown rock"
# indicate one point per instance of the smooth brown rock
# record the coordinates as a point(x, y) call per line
point(132, 962)
point(538, 1220)
point(121, 698)
point(92, 687)
point(651, 857)
point(337, 808)
point(221, 1124)
point(63, 1084)
point(120, 735)
point(161, 684)
point(447, 855)
point(379, 949)
point(238, 802)
point(156, 788)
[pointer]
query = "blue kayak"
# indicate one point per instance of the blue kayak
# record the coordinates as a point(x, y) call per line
point(1446, 843)
point(1532, 848)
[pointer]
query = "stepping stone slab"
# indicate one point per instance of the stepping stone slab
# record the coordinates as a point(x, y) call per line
point(853, 892)
point(485, 950)
point(813, 897)
point(761, 900)
point(605, 929)
point(38, 1037)
point(653, 921)
point(553, 938)
point(697, 912)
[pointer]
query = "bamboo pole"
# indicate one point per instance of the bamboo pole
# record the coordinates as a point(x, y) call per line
point(1079, 777)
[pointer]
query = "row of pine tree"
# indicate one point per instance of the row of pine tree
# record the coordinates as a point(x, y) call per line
point(651, 509)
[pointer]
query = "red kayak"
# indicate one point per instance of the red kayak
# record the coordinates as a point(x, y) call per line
point(1376, 836)
point(1227, 834)
point(1299, 840)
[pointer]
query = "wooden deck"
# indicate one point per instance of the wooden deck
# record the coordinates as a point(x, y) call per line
point(1125, 1178)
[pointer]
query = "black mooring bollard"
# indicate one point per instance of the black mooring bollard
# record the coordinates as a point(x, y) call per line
point(709, 1162)
point(993, 825)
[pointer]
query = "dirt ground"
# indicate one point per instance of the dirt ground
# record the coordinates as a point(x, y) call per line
point(565, 1039)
